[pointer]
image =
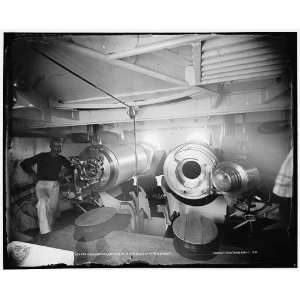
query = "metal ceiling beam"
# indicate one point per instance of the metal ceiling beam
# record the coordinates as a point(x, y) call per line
point(119, 63)
point(152, 101)
point(172, 57)
point(172, 43)
point(176, 124)
point(41, 108)
point(46, 115)
point(231, 103)
point(123, 96)
point(33, 98)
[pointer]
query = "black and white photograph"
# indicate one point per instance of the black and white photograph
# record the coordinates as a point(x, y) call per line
point(150, 149)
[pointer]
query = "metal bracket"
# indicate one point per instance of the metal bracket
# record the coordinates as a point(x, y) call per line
point(216, 101)
point(132, 111)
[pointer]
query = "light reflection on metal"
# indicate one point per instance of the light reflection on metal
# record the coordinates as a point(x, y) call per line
point(202, 135)
point(235, 176)
point(152, 139)
point(118, 162)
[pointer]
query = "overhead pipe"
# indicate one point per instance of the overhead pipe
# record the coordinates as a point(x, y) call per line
point(259, 75)
point(244, 54)
point(245, 72)
point(243, 67)
point(171, 43)
point(242, 61)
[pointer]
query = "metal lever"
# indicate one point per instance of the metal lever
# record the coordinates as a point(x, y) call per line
point(249, 218)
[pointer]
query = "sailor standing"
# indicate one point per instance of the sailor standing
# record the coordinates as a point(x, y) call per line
point(49, 166)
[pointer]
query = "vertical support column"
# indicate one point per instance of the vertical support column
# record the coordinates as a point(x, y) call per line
point(217, 100)
point(229, 125)
point(197, 57)
point(244, 138)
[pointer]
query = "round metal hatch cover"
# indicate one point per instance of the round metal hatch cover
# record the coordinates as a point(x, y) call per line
point(95, 216)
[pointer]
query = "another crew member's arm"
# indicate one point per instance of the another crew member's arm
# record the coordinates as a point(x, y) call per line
point(66, 163)
point(68, 167)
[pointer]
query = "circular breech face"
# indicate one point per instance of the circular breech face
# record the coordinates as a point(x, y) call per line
point(99, 153)
point(187, 170)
